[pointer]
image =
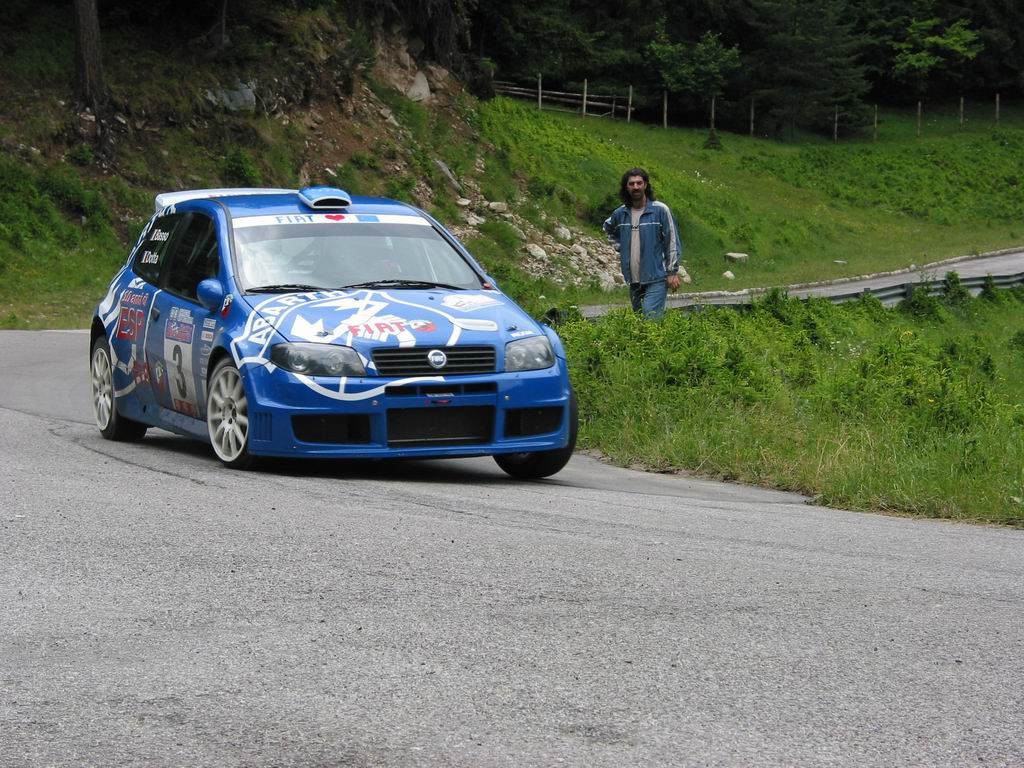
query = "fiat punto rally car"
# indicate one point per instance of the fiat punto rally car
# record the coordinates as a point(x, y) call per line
point(309, 323)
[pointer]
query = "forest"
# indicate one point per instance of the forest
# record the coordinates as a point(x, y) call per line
point(804, 63)
point(799, 59)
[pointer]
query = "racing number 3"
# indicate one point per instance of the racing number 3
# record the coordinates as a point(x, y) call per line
point(179, 380)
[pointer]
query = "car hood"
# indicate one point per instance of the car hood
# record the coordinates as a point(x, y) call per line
point(368, 319)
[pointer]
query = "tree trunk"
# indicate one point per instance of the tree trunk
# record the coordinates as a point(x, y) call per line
point(89, 85)
point(223, 24)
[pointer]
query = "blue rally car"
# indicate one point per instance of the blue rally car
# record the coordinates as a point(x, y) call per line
point(276, 322)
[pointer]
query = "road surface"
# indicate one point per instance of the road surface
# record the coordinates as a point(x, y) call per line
point(158, 610)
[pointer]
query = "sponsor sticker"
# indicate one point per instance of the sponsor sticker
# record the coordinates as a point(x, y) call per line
point(179, 331)
point(134, 299)
point(130, 322)
point(183, 406)
point(179, 325)
point(140, 372)
point(160, 376)
point(469, 301)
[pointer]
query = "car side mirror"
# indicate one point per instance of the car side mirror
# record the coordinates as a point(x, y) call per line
point(210, 293)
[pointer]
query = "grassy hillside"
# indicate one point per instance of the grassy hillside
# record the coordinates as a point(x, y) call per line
point(796, 208)
point(806, 210)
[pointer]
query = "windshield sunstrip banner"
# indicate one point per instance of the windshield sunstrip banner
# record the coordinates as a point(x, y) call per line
point(327, 218)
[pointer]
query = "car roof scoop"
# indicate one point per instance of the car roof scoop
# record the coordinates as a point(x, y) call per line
point(325, 198)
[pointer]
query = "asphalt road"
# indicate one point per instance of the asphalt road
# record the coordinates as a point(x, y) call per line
point(158, 610)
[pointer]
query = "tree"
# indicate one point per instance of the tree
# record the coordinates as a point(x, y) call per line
point(701, 69)
point(807, 62)
point(1000, 65)
point(925, 50)
point(524, 38)
point(89, 85)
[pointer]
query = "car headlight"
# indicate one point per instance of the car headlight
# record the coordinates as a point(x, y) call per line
point(318, 359)
point(530, 354)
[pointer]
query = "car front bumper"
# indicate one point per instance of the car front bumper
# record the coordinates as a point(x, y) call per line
point(416, 417)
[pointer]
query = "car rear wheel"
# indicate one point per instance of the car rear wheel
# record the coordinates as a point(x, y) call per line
point(113, 426)
point(532, 466)
point(227, 416)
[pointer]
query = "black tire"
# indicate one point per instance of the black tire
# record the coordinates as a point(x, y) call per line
point(227, 416)
point(113, 426)
point(533, 466)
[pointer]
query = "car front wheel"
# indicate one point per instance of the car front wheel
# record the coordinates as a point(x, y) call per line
point(227, 416)
point(113, 426)
point(533, 466)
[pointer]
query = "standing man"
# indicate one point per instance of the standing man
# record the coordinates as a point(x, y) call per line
point(648, 241)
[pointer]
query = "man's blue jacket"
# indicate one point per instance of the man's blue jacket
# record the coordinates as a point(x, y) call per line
point(660, 247)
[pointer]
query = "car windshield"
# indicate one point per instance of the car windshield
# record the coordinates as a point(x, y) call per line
point(329, 256)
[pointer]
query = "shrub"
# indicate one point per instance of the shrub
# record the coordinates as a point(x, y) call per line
point(400, 188)
point(238, 167)
point(81, 155)
point(922, 305)
point(989, 291)
point(956, 295)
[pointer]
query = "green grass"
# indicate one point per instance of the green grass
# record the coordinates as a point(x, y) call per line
point(797, 209)
point(858, 406)
point(58, 246)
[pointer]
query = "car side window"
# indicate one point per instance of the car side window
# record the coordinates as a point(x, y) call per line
point(151, 253)
point(194, 258)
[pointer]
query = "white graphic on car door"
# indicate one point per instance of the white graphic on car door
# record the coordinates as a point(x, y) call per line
point(179, 333)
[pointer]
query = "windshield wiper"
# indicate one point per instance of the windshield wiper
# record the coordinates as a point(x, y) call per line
point(284, 288)
point(403, 284)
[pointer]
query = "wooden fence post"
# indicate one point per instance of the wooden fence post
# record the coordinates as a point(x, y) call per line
point(584, 97)
point(997, 109)
point(629, 106)
point(751, 117)
point(874, 134)
point(835, 127)
point(664, 109)
point(540, 90)
point(961, 113)
point(919, 119)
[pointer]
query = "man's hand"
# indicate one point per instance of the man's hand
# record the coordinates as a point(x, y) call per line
point(673, 282)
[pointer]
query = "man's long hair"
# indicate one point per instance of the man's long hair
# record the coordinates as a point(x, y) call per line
point(624, 195)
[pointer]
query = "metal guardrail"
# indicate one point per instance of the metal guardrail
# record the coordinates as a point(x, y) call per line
point(849, 289)
point(892, 295)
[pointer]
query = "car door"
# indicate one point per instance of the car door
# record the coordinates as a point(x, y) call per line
point(181, 329)
point(134, 302)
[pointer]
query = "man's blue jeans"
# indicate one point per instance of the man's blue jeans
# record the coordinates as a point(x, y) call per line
point(649, 298)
